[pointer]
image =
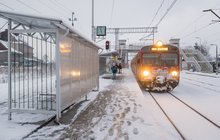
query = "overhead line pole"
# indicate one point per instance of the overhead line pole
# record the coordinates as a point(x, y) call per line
point(93, 27)
point(117, 31)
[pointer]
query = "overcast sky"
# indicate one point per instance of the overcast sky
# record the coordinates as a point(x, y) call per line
point(185, 20)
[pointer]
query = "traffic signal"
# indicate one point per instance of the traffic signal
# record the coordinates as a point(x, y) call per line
point(107, 43)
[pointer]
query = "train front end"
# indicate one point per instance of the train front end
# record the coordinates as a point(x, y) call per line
point(159, 69)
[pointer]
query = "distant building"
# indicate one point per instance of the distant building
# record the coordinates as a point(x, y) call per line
point(19, 49)
point(175, 42)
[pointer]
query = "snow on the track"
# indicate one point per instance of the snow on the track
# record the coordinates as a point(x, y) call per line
point(190, 124)
point(201, 92)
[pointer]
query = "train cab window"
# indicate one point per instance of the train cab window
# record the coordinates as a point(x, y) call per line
point(169, 59)
point(150, 59)
point(165, 59)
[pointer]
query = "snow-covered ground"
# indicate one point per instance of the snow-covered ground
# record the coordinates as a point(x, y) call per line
point(122, 111)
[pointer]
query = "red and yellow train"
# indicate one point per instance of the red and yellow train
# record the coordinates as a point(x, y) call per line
point(157, 67)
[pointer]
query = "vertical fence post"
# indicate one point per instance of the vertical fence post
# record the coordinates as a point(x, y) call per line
point(58, 100)
point(9, 70)
point(98, 72)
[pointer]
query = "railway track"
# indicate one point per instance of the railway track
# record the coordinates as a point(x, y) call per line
point(191, 113)
point(201, 82)
point(173, 124)
point(204, 84)
point(206, 118)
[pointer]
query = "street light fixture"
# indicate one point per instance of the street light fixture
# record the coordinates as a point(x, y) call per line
point(200, 43)
point(211, 10)
point(73, 19)
point(216, 47)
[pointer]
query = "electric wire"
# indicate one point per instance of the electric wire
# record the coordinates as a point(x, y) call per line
point(194, 21)
point(198, 30)
point(171, 6)
point(156, 12)
point(6, 6)
point(144, 37)
point(63, 6)
point(54, 9)
point(190, 24)
point(59, 5)
point(29, 6)
point(113, 4)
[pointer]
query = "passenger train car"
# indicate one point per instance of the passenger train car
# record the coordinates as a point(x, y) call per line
point(156, 67)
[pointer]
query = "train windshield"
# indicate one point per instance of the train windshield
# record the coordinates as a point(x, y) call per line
point(166, 59)
point(151, 59)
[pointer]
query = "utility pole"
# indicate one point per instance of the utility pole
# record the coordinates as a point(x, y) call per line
point(93, 27)
point(216, 47)
point(117, 31)
point(216, 60)
point(200, 43)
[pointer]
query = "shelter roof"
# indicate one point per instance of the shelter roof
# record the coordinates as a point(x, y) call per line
point(37, 22)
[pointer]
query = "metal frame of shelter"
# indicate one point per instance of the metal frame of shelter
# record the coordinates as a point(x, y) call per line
point(50, 65)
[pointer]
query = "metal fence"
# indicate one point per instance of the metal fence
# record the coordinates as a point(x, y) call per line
point(32, 72)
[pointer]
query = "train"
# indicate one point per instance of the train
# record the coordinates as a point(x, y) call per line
point(157, 67)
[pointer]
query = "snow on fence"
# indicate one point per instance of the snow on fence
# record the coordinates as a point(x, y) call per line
point(3, 74)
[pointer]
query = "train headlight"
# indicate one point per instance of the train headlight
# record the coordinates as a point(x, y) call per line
point(146, 73)
point(174, 73)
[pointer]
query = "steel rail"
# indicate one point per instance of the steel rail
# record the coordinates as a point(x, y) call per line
point(206, 118)
point(178, 131)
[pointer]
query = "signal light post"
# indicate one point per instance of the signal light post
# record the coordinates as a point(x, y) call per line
point(107, 44)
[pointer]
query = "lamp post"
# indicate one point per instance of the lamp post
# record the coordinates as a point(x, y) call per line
point(200, 40)
point(216, 47)
point(73, 19)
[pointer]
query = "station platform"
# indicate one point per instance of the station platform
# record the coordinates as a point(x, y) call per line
point(121, 111)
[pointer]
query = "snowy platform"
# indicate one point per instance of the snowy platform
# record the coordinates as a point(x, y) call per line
point(121, 110)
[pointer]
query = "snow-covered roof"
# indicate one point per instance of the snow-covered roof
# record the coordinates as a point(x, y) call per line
point(109, 53)
point(6, 45)
point(37, 22)
point(3, 50)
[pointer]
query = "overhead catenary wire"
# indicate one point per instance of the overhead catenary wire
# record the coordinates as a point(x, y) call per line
point(54, 9)
point(65, 7)
point(6, 6)
point(194, 21)
point(156, 12)
point(190, 24)
point(153, 18)
point(29, 6)
point(60, 6)
point(113, 4)
point(171, 6)
point(203, 27)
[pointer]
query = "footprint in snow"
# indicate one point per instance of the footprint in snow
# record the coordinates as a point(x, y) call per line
point(135, 131)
